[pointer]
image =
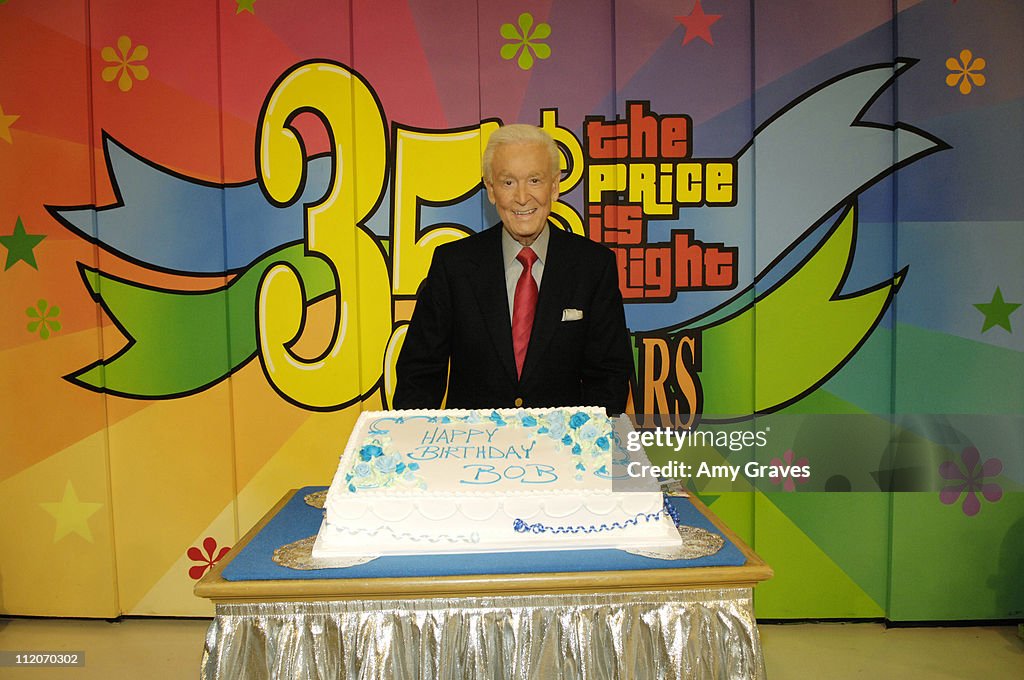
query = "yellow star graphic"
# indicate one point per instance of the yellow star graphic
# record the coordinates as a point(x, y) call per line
point(72, 515)
point(5, 126)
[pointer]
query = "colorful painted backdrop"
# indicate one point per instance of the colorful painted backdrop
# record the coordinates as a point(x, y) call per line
point(214, 217)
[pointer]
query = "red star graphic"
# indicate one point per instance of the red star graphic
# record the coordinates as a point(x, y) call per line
point(698, 24)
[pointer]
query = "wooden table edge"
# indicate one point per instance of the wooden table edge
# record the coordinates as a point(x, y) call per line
point(215, 588)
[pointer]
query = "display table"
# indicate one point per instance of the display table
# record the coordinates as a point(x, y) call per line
point(556, 614)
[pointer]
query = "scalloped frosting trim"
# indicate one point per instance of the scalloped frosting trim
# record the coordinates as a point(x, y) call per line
point(550, 504)
point(522, 527)
point(470, 538)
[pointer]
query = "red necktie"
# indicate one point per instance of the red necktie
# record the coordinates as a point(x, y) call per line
point(523, 307)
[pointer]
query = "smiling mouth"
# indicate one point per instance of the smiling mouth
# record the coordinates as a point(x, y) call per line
point(523, 213)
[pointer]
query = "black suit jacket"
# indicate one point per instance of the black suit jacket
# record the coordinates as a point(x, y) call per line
point(462, 317)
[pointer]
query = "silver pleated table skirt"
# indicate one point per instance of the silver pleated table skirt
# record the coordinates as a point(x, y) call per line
point(664, 634)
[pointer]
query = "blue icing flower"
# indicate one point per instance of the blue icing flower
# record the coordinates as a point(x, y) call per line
point(414, 466)
point(362, 470)
point(576, 450)
point(352, 488)
point(542, 430)
point(556, 428)
point(567, 440)
point(446, 420)
point(602, 443)
point(589, 432)
point(400, 468)
point(529, 421)
point(370, 451)
point(384, 464)
point(496, 417)
point(578, 419)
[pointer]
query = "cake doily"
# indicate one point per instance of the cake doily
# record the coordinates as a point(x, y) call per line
point(674, 488)
point(317, 499)
point(697, 542)
point(299, 555)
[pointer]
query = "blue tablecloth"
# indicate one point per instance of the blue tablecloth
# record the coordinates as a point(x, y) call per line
point(297, 520)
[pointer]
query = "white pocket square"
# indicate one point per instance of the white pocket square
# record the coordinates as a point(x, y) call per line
point(572, 314)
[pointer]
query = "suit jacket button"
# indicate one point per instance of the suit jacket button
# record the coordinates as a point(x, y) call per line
point(519, 401)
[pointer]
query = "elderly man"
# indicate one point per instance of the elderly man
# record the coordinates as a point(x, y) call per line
point(521, 314)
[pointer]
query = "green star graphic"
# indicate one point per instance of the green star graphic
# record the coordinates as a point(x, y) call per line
point(245, 6)
point(997, 312)
point(19, 246)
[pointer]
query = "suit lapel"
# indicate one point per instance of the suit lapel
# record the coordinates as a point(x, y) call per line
point(492, 298)
point(554, 285)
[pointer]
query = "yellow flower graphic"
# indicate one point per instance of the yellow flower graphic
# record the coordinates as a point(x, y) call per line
point(966, 71)
point(123, 67)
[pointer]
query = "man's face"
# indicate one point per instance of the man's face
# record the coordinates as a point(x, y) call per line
point(522, 188)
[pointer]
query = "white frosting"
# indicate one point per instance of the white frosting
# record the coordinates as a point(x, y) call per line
point(490, 480)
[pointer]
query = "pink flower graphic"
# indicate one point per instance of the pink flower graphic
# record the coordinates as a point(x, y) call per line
point(789, 480)
point(206, 561)
point(971, 479)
